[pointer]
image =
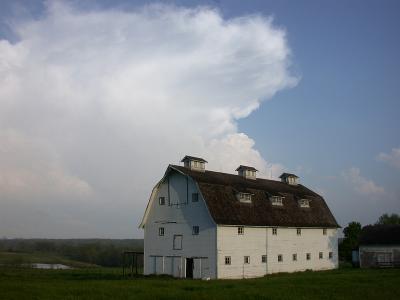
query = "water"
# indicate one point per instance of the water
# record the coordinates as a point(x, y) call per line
point(50, 266)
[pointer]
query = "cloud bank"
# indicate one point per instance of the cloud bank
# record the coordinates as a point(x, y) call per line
point(94, 104)
point(362, 185)
point(393, 158)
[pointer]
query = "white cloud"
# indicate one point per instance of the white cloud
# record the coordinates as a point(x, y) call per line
point(393, 158)
point(112, 97)
point(362, 185)
point(29, 169)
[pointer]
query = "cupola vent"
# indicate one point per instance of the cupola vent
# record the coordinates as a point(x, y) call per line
point(194, 163)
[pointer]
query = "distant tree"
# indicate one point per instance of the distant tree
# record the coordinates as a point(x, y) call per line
point(388, 219)
point(350, 241)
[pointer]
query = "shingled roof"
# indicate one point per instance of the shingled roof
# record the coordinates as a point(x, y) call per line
point(219, 191)
point(380, 235)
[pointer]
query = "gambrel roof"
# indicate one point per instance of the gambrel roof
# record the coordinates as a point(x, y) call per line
point(219, 191)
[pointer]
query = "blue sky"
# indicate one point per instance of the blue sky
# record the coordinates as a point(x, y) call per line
point(337, 127)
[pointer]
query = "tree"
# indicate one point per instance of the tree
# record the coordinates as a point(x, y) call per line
point(388, 219)
point(350, 241)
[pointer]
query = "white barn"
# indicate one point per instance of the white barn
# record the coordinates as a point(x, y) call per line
point(205, 224)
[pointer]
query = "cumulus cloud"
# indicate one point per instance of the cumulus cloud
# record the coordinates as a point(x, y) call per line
point(393, 158)
point(29, 168)
point(105, 99)
point(362, 185)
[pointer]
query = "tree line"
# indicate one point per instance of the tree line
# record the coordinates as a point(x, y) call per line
point(102, 252)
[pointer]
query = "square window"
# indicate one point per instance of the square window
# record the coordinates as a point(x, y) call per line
point(195, 197)
point(330, 255)
point(263, 258)
point(304, 203)
point(195, 230)
point(321, 255)
point(275, 231)
point(177, 242)
point(277, 200)
point(298, 231)
point(308, 256)
point(294, 257)
point(247, 259)
point(161, 200)
point(161, 231)
point(227, 260)
point(280, 257)
point(240, 230)
point(324, 231)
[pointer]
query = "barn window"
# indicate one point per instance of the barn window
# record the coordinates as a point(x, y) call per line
point(161, 200)
point(324, 231)
point(275, 231)
point(195, 197)
point(177, 242)
point(161, 231)
point(330, 255)
point(263, 258)
point(304, 203)
point(280, 257)
point(240, 230)
point(294, 257)
point(227, 260)
point(247, 259)
point(244, 197)
point(277, 200)
point(298, 231)
point(195, 230)
point(321, 255)
point(308, 256)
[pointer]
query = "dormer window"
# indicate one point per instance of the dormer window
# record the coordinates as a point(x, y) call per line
point(244, 197)
point(247, 172)
point(289, 178)
point(194, 163)
point(304, 203)
point(277, 200)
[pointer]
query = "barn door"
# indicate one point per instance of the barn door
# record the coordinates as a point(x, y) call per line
point(189, 267)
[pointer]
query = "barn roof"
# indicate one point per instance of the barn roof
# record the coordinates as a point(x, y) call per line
point(188, 157)
point(246, 168)
point(219, 191)
point(380, 235)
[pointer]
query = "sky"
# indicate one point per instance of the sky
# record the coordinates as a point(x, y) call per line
point(98, 97)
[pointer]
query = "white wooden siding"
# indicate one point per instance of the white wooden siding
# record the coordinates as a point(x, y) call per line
point(258, 241)
point(178, 218)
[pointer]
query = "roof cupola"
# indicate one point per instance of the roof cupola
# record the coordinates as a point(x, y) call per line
point(289, 178)
point(247, 172)
point(194, 163)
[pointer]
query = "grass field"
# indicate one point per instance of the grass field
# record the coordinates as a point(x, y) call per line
point(104, 283)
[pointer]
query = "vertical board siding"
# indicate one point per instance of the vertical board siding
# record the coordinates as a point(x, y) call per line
point(178, 218)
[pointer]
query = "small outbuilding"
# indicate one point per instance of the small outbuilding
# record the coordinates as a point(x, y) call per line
point(379, 246)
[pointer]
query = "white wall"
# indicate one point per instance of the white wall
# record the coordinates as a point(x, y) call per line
point(368, 255)
point(258, 241)
point(178, 218)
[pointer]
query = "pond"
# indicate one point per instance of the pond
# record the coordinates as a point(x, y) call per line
point(50, 266)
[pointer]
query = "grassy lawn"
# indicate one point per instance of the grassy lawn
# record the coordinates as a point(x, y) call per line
point(104, 283)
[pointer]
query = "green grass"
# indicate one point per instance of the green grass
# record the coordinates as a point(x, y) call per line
point(104, 283)
point(17, 258)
